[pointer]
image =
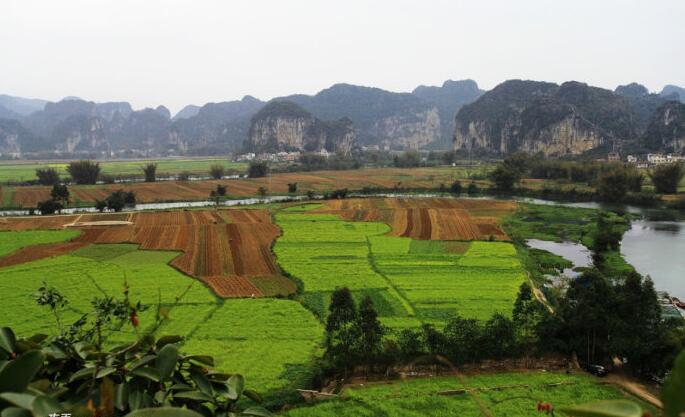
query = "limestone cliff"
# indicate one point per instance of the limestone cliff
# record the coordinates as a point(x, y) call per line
point(408, 131)
point(539, 117)
point(285, 126)
point(666, 130)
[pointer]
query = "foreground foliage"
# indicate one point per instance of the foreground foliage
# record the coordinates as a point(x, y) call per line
point(75, 371)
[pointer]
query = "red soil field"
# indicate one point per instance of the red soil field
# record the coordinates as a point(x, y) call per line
point(429, 218)
point(226, 249)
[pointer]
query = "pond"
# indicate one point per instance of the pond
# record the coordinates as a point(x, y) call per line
point(578, 254)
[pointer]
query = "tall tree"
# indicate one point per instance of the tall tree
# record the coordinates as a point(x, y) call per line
point(150, 171)
point(462, 340)
point(505, 177)
point(217, 171)
point(370, 331)
point(258, 169)
point(666, 177)
point(60, 193)
point(589, 313)
point(47, 176)
point(639, 315)
point(527, 314)
point(499, 337)
point(342, 333)
point(84, 171)
point(612, 183)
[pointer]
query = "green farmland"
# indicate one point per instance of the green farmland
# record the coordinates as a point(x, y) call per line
point(239, 333)
point(26, 171)
point(11, 241)
point(509, 394)
point(410, 282)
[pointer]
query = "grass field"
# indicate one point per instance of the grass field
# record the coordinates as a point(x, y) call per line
point(498, 395)
point(26, 171)
point(239, 333)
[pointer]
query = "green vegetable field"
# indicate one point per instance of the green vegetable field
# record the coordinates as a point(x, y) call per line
point(239, 333)
point(15, 171)
point(11, 241)
point(411, 282)
point(509, 394)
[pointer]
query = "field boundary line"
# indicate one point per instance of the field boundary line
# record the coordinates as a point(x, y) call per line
point(392, 289)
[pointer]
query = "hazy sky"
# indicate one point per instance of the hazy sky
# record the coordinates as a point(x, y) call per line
point(176, 52)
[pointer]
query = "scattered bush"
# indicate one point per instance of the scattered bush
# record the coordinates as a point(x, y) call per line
point(60, 193)
point(49, 207)
point(455, 188)
point(258, 169)
point(120, 199)
point(666, 177)
point(410, 159)
point(217, 171)
point(150, 171)
point(84, 171)
point(47, 176)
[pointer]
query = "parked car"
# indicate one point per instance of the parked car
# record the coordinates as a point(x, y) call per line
point(597, 370)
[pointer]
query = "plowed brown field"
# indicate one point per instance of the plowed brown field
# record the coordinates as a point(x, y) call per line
point(29, 196)
point(428, 218)
point(229, 250)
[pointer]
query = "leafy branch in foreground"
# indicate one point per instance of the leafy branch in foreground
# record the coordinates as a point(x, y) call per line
point(80, 372)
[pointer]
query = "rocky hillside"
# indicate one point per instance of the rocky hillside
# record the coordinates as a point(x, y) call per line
point(393, 120)
point(555, 120)
point(285, 126)
point(217, 127)
point(666, 130)
point(673, 92)
point(449, 98)
point(74, 125)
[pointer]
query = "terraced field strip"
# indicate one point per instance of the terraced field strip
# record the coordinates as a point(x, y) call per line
point(229, 250)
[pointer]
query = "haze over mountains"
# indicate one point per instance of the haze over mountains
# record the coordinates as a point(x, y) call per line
point(557, 120)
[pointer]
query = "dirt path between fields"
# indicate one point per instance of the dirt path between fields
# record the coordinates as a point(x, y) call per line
point(634, 388)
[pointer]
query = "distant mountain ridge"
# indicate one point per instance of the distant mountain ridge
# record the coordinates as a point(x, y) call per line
point(20, 105)
point(557, 120)
point(533, 116)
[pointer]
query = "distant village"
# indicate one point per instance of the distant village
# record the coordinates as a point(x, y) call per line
point(646, 161)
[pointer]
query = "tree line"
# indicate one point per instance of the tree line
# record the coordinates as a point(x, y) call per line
point(613, 181)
